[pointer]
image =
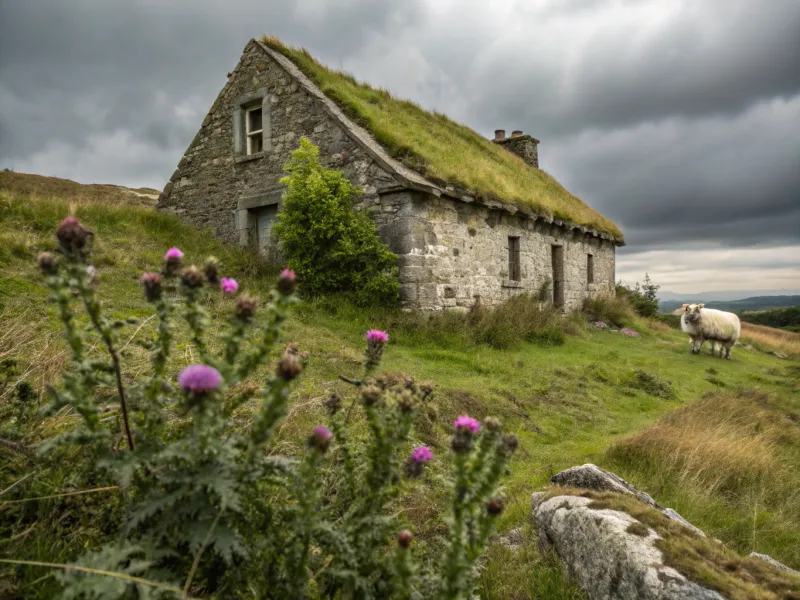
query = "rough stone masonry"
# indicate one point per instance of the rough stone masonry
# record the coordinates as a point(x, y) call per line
point(454, 250)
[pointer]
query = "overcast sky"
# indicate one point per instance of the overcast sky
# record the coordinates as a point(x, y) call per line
point(679, 119)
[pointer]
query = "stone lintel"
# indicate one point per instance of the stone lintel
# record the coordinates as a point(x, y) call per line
point(266, 198)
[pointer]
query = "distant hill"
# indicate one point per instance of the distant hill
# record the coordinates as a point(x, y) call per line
point(744, 304)
point(784, 318)
point(66, 189)
point(723, 295)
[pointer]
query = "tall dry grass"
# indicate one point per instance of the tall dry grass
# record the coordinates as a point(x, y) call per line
point(733, 461)
point(771, 339)
point(28, 352)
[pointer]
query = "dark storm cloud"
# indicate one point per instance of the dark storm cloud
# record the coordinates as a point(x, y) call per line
point(70, 69)
point(676, 119)
point(612, 64)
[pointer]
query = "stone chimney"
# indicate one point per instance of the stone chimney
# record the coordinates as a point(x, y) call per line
point(524, 146)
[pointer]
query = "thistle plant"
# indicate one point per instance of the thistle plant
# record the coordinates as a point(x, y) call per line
point(209, 508)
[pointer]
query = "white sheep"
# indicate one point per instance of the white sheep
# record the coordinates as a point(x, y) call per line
point(717, 326)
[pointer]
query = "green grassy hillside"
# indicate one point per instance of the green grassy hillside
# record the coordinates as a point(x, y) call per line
point(568, 403)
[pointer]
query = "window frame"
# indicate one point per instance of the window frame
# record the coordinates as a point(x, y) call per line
point(243, 146)
point(514, 260)
point(589, 269)
point(250, 136)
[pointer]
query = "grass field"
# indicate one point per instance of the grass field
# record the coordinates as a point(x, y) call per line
point(591, 398)
point(446, 151)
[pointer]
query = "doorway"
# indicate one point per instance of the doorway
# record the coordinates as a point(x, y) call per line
point(558, 275)
point(264, 220)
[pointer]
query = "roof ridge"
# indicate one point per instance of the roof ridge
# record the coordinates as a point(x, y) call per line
point(408, 176)
point(360, 134)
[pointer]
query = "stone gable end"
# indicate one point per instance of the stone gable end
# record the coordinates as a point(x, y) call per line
point(452, 253)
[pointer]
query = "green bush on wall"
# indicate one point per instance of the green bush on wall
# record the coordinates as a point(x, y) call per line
point(331, 246)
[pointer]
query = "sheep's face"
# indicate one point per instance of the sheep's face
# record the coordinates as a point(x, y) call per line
point(692, 314)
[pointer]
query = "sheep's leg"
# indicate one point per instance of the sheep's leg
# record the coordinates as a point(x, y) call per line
point(728, 349)
point(697, 344)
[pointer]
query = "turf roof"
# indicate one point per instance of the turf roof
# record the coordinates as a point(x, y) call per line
point(444, 151)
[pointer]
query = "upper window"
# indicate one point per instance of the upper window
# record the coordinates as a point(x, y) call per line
point(514, 271)
point(254, 130)
point(589, 268)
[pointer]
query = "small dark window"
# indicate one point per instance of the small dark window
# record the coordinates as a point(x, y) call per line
point(589, 268)
point(514, 271)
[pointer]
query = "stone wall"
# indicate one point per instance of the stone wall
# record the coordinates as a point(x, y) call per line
point(451, 253)
point(217, 187)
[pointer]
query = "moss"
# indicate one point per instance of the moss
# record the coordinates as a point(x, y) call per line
point(443, 150)
point(637, 528)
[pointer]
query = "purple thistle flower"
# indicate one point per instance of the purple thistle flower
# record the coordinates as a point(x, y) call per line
point(600, 324)
point(467, 422)
point(629, 332)
point(322, 432)
point(228, 285)
point(376, 336)
point(421, 454)
point(173, 254)
point(286, 282)
point(199, 379)
point(320, 438)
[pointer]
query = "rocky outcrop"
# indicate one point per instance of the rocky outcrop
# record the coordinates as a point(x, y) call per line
point(777, 564)
point(592, 477)
point(609, 553)
point(619, 543)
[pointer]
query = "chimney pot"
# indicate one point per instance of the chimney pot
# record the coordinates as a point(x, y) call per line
point(516, 133)
point(499, 134)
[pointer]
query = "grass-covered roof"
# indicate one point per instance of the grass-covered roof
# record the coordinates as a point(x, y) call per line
point(445, 151)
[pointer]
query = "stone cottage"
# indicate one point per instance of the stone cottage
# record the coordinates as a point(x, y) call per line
point(456, 246)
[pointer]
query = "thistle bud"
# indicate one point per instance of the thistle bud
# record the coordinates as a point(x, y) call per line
point(73, 236)
point(333, 403)
point(246, 307)
point(211, 270)
point(287, 282)
point(289, 366)
point(370, 395)
point(426, 389)
point(493, 424)
point(495, 505)
point(192, 278)
point(406, 401)
point(405, 538)
point(47, 263)
point(510, 442)
point(152, 286)
point(462, 441)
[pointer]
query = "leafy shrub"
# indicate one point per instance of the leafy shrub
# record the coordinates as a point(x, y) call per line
point(642, 297)
point(616, 311)
point(330, 246)
point(207, 507)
